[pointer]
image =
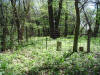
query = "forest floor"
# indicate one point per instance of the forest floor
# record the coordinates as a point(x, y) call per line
point(35, 54)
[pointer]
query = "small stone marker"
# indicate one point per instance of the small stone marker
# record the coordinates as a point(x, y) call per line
point(59, 46)
point(81, 49)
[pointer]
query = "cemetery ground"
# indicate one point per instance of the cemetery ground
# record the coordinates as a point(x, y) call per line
point(41, 52)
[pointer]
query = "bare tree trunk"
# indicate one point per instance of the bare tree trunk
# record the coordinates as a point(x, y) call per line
point(26, 34)
point(77, 27)
point(3, 43)
point(96, 29)
point(17, 21)
point(12, 36)
point(39, 33)
point(44, 31)
point(4, 28)
point(89, 31)
point(54, 21)
point(66, 25)
point(88, 41)
point(57, 20)
point(51, 18)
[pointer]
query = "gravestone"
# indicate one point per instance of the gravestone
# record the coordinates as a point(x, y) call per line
point(81, 49)
point(59, 44)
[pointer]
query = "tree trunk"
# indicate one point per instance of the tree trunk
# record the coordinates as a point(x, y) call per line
point(54, 21)
point(26, 34)
point(88, 41)
point(39, 32)
point(96, 29)
point(12, 30)
point(89, 31)
point(17, 21)
point(3, 43)
point(44, 31)
point(51, 19)
point(4, 28)
point(77, 27)
point(66, 25)
point(57, 20)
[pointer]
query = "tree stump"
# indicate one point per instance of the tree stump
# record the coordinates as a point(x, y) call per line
point(59, 46)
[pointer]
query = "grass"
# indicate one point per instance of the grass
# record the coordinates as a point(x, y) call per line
point(35, 54)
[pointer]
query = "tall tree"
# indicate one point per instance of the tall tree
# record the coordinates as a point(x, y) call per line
point(57, 20)
point(54, 19)
point(26, 5)
point(66, 24)
point(96, 29)
point(17, 20)
point(51, 18)
point(89, 31)
point(3, 25)
point(77, 27)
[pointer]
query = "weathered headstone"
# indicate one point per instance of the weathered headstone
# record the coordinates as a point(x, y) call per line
point(59, 46)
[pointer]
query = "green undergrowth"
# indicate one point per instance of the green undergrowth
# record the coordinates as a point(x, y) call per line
point(36, 53)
